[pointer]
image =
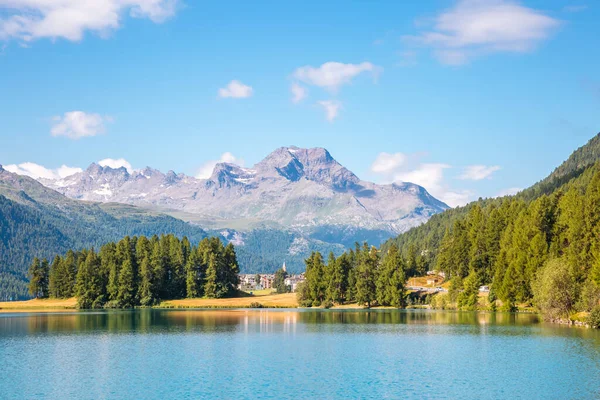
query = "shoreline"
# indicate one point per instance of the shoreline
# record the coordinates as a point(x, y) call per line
point(262, 302)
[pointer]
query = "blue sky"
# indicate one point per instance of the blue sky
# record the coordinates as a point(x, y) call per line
point(467, 98)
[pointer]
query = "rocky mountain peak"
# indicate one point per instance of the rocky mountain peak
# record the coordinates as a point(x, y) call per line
point(97, 170)
point(228, 174)
point(316, 164)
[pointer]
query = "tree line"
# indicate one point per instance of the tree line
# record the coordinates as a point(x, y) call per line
point(138, 271)
point(363, 275)
point(543, 252)
point(29, 228)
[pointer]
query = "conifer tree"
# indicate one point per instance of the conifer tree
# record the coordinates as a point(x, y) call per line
point(126, 296)
point(70, 269)
point(279, 281)
point(38, 278)
point(194, 274)
point(390, 289)
point(55, 278)
point(211, 289)
point(365, 276)
point(468, 298)
point(89, 283)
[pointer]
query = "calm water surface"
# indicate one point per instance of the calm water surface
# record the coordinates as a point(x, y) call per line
point(245, 354)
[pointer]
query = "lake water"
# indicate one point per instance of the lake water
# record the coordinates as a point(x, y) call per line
point(246, 354)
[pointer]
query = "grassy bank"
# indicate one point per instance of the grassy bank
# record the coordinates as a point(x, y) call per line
point(285, 300)
point(39, 305)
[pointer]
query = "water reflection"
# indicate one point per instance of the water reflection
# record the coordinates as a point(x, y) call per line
point(269, 321)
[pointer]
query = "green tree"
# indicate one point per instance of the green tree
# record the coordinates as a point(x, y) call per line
point(126, 295)
point(390, 284)
point(366, 275)
point(338, 281)
point(279, 281)
point(89, 283)
point(554, 290)
point(56, 278)
point(194, 274)
point(211, 288)
point(38, 278)
point(468, 298)
point(315, 272)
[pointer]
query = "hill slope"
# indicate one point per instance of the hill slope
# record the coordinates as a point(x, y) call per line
point(422, 242)
point(37, 221)
point(507, 242)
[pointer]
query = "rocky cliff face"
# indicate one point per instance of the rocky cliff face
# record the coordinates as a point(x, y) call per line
point(292, 188)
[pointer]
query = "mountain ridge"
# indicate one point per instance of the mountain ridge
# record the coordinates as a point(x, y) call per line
point(291, 187)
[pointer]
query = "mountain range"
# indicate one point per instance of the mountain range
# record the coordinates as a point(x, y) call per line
point(305, 190)
point(291, 203)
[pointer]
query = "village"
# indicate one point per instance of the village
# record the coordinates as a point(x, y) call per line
point(257, 282)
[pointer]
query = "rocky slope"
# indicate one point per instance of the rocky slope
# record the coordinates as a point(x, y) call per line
point(292, 188)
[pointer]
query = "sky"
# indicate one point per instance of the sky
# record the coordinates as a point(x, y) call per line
point(468, 98)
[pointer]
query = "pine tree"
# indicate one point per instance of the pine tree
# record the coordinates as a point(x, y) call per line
point(126, 296)
point(177, 262)
point(55, 278)
point(145, 294)
point(194, 275)
point(89, 283)
point(232, 268)
point(70, 269)
point(211, 289)
point(38, 278)
point(365, 276)
point(314, 278)
point(468, 298)
point(390, 284)
point(338, 282)
point(279, 281)
point(111, 263)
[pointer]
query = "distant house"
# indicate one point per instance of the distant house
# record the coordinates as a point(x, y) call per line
point(293, 281)
point(266, 281)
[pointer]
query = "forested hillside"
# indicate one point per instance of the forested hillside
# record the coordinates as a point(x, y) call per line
point(517, 244)
point(267, 249)
point(50, 224)
point(421, 244)
point(45, 231)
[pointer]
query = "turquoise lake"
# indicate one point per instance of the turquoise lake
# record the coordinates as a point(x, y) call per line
point(280, 354)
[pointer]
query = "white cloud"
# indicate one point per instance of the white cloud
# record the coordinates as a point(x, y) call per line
point(509, 192)
point(331, 107)
point(37, 171)
point(28, 20)
point(299, 92)
point(456, 199)
point(78, 124)
point(431, 177)
point(116, 163)
point(478, 172)
point(476, 27)
point(386, 162)
point(207, 168)
point(236, 90)
point(428, 175)
point(400, 167)
point(331, 75)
